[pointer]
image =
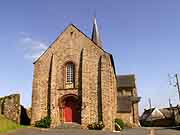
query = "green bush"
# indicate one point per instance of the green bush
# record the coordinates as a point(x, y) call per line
point(119, 122)
point(96, 126)
point(43, 123)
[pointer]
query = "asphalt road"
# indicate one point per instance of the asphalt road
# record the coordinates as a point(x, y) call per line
point(136, 131)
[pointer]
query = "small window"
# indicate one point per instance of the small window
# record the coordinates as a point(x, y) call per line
point(70, 73)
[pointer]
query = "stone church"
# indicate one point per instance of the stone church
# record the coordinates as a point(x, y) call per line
point(75, 81)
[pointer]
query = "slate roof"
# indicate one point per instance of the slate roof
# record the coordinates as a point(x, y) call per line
point(146, 114)
point(95, 34)
point(167, 113)
point(126, 81)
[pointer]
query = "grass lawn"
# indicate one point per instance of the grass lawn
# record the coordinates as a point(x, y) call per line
point(7, 125)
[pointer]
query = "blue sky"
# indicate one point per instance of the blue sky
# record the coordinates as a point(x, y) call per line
point(142, 35)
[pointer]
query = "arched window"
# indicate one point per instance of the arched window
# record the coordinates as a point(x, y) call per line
point(70, 73)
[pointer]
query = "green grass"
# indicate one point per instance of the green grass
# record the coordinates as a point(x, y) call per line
point(7, 125)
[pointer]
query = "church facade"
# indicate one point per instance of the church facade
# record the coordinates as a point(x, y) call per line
point(75, 81)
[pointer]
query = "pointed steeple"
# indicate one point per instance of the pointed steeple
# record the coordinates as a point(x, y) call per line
point(95, 33)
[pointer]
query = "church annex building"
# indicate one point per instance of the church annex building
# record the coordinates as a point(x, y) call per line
point(75, 81)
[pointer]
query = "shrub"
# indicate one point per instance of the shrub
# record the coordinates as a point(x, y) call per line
point(119, 123)
point(96, 126)
point(43, 123)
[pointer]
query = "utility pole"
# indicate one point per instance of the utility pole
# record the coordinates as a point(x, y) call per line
point(150, 108)
point(149, 100)
point(170, 105)
point(176, 81)
point(172, 112)
point(177, 85)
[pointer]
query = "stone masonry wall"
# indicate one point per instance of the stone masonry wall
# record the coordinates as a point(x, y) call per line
point(40, 88)
point(108, 92)
point(10, 107)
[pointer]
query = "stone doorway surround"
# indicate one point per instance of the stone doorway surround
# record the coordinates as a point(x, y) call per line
point(70, 109)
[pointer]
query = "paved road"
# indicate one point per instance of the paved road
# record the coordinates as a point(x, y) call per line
point(137, 131)
point(146, 131)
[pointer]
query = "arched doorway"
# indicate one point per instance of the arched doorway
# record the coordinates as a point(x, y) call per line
point(71, 109)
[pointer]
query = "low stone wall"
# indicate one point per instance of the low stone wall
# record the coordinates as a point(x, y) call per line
point(10, 107)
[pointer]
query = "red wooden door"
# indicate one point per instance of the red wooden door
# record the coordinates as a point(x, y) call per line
point(71, 113)
point(68, 114)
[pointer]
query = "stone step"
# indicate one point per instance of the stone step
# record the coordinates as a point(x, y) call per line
point(69, 126)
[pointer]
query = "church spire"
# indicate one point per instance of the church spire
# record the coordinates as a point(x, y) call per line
point(95, 33)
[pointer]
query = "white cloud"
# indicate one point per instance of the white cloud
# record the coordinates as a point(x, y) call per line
point(32, 48)
point(26, 40)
